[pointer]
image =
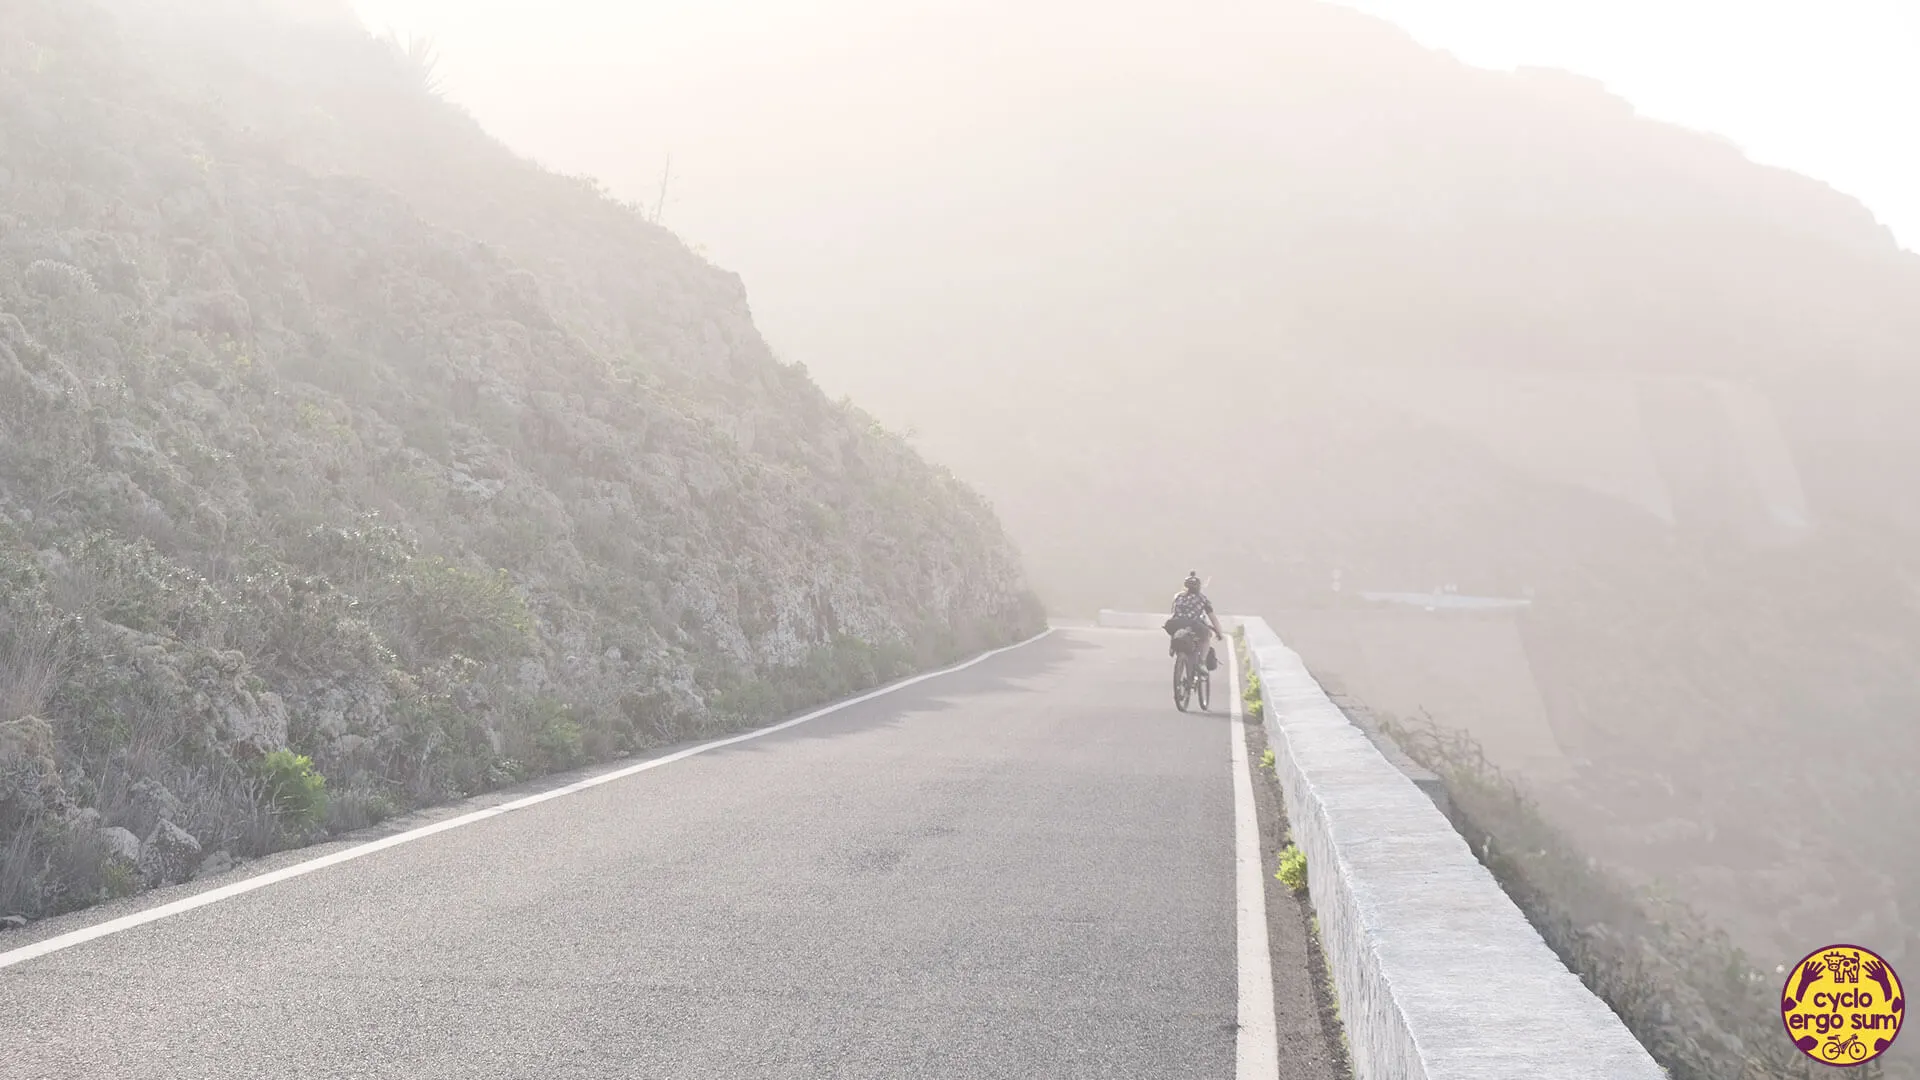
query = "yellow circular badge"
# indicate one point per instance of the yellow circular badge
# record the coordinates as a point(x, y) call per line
point(1842, 1005)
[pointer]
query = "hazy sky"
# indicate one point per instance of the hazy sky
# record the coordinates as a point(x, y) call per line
point(1830, 88)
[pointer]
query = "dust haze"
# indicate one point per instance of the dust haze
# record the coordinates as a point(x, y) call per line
point(1506, 405)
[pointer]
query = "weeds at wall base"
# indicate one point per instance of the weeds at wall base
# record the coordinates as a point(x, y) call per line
point(1293, 869)
point(1250, 698)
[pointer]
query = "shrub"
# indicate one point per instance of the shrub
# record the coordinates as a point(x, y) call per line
point(19, 874)
point(357, 808)
point(1293, 868)
point(130, 583)
point(749, 700)
point(436, 749)
point(453, 611)
point(357, 555)
point(57, 279)
point(557, 736)
point(36, 646)
point(293, 790)
point(47, 868)
point(418, 61)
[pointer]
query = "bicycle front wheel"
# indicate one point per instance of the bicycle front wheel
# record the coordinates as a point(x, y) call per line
point(1203, 685)
point(1182, 684)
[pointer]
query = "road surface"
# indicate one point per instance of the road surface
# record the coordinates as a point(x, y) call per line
point(1020, 869)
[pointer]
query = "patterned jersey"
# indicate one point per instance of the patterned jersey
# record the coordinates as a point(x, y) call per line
point(1191, 605)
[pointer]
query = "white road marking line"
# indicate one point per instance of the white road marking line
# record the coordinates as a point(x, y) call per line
point(226, 892)
point(1256, 1048)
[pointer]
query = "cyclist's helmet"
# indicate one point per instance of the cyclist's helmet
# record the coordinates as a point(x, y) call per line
point(1193, 581)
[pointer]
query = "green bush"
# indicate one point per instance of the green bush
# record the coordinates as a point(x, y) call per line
point(357, 555)
point(1293, 868)
point(557, 734)
point(130, 583)
point(451, 610)
point(436, 749)
point(293, 791)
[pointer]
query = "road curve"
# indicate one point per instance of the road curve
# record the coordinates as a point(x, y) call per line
point(1021, 869)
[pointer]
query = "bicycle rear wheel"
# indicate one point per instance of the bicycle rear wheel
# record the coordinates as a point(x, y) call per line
point(1181, 683)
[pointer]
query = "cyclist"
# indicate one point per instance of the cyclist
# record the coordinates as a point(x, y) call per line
point(1193, 611)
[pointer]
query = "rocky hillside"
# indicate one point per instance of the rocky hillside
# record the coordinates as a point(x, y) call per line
point(349, 463)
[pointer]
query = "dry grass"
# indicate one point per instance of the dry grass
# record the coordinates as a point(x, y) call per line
point(33, 654)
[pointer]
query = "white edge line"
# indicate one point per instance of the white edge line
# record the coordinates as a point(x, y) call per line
point(1256, 1048)
point(227, 892)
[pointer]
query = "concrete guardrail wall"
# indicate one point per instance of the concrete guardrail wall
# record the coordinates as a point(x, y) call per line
point(1438, 974)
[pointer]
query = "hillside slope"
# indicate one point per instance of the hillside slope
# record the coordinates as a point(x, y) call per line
point(349, 463)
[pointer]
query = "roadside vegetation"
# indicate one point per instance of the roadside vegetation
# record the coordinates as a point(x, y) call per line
point(1293, 868)
point(1699, 1005)
point(1292, 871)
point(1294, 928)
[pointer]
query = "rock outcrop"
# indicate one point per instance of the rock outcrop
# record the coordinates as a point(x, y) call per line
point(169, 855)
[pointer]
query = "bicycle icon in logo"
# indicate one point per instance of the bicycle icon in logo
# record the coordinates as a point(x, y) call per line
point(1852, 1048)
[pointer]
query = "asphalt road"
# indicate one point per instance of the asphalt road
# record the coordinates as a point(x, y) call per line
point(1023, 869)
